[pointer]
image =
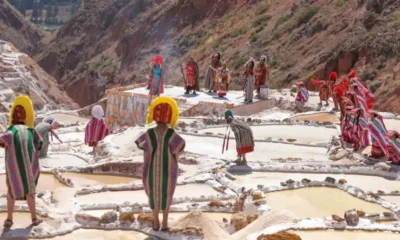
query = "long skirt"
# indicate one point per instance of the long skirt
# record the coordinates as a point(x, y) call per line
point(249, 89)
point(155, 88)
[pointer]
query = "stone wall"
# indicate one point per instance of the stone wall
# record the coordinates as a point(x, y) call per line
point(207, 109)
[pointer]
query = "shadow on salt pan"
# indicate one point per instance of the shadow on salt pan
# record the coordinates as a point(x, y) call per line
point(62, 160)
point(346, 235)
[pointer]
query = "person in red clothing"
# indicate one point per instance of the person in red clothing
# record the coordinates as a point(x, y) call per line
point(324, 91)
point(261, 74)
point(331, 84)
point(191, 75)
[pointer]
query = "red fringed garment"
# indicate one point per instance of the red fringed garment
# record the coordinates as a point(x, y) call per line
point(96, 130)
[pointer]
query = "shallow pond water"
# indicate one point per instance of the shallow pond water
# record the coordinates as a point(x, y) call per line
point(83, 179)
point(318, 117)
point(89, 234)
point(300, 133)
point(47, 182)
point(346, 235)
point(316, 202)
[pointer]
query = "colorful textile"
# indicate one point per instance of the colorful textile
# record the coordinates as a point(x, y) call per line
point(229, 113)
point(360, 133)
point(96, 130)
point(249, 87)
point(378, 131)
point(22, 163)
point(164, 113)
point(211, 73)
point(160, 170)
point(393, 139)
point(302, 95)
point(346, 127)
point(243, 136)
point(262, 71)
point(324, 93)
point(156, 81)
point(97, 112)
point(364, 92)
point(223, 84)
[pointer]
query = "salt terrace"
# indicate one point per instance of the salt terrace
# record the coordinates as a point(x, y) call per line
point(296, 181)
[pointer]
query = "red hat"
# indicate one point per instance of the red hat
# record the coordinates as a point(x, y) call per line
point(352, 74)
point(333, 76)
point(338, 90)
point(157, 60)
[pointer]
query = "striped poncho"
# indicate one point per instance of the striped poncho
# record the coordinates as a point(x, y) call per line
point(360, 133)
point(393, 146)
point(96, 130)
point(378, 131)
point(22, 161)
point(365, 92)
point(302, 95)
point(243, 136)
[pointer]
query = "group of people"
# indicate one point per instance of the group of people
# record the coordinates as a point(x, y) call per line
point(361, 126)
point(24, 144)
point(217, 80)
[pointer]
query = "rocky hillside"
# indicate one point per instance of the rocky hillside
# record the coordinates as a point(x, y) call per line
point(15, 29)
point(109, 42)
point(19, 74)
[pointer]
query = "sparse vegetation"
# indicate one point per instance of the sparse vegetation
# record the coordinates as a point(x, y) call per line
point(261, 20)
point(262, 9)
point(259, 29)
point(217, 43)
point(237, 32)
point(253, 37)
point(307, 14)
point(282, 19)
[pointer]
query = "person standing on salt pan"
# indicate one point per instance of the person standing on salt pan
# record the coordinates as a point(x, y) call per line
point(44, 128)
point(161, 146)
point(378, 131)
point(96, 130)
point(324, 92)
point(156, 76)
point(21, 143)
point(302, 95)
point(261, 75)
point(249, 82)
point(243, 136)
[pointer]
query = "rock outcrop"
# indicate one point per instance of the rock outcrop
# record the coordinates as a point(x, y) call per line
point(16, 29)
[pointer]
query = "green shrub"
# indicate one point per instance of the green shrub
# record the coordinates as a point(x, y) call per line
point(261, 20)
point(262, 9)
point(282, 19)
point(253, 37)
point(307, 15)
point(237, 32)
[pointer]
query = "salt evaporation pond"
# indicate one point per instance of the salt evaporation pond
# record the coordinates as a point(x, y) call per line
point(68, 118)
point(392, 199)
point(366, 183)
point(83, 179)
point(318, 117)
point(317, 202)
point(22, 221)
point(263, 151)
point(346, 235)
point(298, 132)
point(47, 182)
point(61, 160)
point(104, 235)
point(189, 190)
point(392, 124)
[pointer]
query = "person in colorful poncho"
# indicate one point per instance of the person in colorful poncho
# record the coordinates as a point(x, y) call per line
point(212, 73)
point(249, 82)
point(324, 92)
point(261, 74)
point(362, 89)
point(378, 130)
point(360, 133)
point(192, 75)
point(45, 129)
point(161, 146)
point(331, 84)
point(96, 130)
point(21, 143)
point(224, 78)
point(393, 140)
point(346, 125)
point(243, 136)
point(156, 84)
point(302, 95)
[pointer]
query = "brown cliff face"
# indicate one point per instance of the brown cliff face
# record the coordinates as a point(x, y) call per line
point(108, 43)
point(17, 30)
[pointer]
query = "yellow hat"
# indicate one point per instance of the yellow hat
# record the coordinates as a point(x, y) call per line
point(26, 103)
point(172, 107)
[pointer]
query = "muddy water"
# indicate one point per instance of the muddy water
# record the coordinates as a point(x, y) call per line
point(318, 117)
point(104, 235)
point(366, 183)
point(68, 118)
point(189, 190)
point(47, 182)
point(300, 133)
point(319, 202)
point(213, 146)
point(82, 179)
point(61, 160)
point(346, 235)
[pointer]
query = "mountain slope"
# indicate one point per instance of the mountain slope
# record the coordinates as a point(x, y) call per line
point(109, 42)
point(17, 30)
